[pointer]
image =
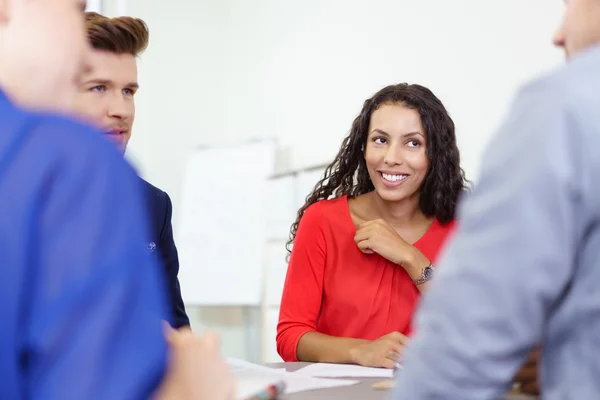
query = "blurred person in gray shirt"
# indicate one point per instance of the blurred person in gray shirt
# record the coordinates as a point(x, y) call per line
point(524, 265)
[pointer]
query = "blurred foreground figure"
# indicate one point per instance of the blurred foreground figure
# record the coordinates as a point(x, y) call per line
point(81, 306)
point(524, 265)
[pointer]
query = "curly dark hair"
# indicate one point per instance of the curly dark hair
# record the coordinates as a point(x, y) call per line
point(445, 179)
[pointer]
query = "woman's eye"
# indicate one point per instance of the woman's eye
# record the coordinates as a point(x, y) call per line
point(380, 140)
point(413, 143)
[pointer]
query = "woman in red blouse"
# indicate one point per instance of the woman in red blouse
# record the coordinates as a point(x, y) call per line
point(366, 239)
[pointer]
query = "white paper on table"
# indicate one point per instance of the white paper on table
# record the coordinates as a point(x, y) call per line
point(298, 383)
point(238, 365)
point(327, 370)
point(248, 375)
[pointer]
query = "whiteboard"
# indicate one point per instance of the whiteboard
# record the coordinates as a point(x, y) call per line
point(282, 206)
point(276, 269)
point(223, 224)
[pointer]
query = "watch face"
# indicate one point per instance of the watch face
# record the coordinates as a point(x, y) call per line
point(428, 273)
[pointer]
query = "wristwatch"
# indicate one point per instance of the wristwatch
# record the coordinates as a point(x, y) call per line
point(426, 275)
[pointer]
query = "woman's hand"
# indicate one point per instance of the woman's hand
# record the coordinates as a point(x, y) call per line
point(379, 237)
point(382, 352)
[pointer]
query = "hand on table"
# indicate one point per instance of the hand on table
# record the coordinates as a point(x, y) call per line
point(382, 352)
point(196, 369)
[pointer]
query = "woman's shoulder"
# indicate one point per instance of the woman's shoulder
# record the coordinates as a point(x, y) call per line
point(444, 228)
point(327, 212)
point(323, 208)
point(435, 238)
point(439, 232)
point(448, 226)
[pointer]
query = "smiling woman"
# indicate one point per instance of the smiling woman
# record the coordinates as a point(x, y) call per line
point(365, 241)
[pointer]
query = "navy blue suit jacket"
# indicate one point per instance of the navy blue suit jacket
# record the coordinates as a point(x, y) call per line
point(163, 245)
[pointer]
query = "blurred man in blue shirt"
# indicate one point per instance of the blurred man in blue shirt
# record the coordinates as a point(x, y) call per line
point(524, 265)
point(81, 298)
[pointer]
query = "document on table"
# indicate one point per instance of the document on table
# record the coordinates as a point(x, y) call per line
point(252, 377)
point(326, 370)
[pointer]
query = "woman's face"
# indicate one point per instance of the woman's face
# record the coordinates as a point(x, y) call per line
point(395, 152)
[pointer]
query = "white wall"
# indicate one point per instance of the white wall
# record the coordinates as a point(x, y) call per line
point(94, 5)
point(220, 71)
point(225, 70)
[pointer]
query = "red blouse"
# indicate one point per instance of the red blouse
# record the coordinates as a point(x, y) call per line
point(333, 288)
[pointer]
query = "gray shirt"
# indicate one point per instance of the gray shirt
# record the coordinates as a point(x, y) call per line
point(524, 265)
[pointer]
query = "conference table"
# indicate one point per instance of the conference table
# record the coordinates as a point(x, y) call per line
point(360, 391)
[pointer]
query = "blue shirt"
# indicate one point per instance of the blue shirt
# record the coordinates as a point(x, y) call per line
point(81, 299)
point(524, 265)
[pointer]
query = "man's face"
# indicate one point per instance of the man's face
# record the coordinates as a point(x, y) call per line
point(106, 94)
point(580, 28)
point(44, 45)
